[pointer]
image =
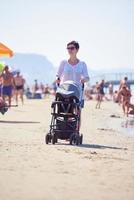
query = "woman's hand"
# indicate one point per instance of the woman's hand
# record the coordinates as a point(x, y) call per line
point(57, 81)
point(83, 81)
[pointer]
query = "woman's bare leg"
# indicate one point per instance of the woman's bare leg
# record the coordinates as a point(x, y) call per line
point(21, 97)
point(16, 97)
point(123, 107)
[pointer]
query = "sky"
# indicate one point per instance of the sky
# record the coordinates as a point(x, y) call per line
point(104, 29)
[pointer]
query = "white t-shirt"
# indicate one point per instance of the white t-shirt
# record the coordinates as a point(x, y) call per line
point(74, 73)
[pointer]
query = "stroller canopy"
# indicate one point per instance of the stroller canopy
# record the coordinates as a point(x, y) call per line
point(69, 89)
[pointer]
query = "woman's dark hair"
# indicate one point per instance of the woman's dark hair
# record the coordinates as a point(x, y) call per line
point(76, 44)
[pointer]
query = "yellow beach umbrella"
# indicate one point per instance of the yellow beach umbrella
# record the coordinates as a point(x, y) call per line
point(5, 51)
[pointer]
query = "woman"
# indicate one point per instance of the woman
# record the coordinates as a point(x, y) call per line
point(73, 69)
point(125, 94)
point(99, 93)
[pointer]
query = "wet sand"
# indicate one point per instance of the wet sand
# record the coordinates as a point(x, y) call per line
point(102, 168)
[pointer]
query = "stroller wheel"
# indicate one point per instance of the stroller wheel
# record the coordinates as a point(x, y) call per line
point(54, 138)
point(81, 139)
point(77, 140)
point(74, 139)
point(48, 138)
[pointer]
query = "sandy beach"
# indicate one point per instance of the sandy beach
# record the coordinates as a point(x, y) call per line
point(101, 169)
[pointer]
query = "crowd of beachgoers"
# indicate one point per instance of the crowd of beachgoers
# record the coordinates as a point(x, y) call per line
point(14, 87)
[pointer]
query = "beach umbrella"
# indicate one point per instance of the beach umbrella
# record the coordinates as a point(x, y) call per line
point(5, 51)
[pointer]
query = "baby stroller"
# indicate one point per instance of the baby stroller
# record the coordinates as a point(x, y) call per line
point(65, 120)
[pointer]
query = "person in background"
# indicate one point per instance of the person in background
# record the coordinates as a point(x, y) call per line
point(7, 84)
point(125, 93)
point(99, 93)
point(35, 87)
point(115, 97)
point(102, 89)
point(124, 82)
point(110, 87)
point(19, 87)
point(28, 93)
point(42, 87)
point(46, 90)
point(98, 96)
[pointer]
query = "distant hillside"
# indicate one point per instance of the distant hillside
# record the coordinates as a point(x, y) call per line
point(32, 66)
point(35, 66)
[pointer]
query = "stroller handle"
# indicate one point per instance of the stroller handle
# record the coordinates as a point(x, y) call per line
point(82, 86)
point(58, 83)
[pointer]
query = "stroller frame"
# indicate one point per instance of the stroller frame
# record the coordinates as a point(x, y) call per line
point(65, 122)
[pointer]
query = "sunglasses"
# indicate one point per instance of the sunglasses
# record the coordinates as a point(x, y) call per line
point(71, 48)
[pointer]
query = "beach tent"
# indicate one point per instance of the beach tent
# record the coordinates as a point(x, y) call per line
point(5, 51)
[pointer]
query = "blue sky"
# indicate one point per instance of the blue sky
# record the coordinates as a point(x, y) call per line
point(104, 29)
